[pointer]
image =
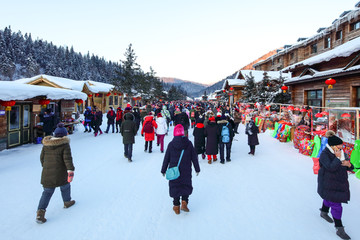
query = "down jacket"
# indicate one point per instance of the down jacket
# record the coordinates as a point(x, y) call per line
point(181, 186)
point(56, 160)
point(149, 136)
point(333, 182)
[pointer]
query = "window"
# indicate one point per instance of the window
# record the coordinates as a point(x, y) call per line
point(327, 42)
point(116, 100)
point(339, 35)
point(110, 100)
point(278, 60)
point(358, 96)
point(292, 56)
point(314, 98)
point(314, 48)
point(354, 26)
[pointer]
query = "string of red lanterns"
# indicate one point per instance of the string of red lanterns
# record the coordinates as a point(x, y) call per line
point(7, 104)
point(330, 82)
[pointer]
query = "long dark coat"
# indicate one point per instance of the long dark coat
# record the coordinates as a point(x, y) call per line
point(183, 119)
point(48, 122)
point(181, 186)
point(252, 131)
point(56, 160)
point(333, 182)
point(212, 134)
point(111, 115)
point(199, 138)
point(128, 129)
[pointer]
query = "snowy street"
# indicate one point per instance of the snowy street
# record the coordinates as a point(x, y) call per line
point(271, 195)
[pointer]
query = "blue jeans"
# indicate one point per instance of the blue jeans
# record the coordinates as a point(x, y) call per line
point(128, 150)
point(48, 192)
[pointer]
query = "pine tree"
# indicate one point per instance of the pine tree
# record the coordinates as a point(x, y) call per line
point(263, 90)
point(278, 95)
point(249, 93)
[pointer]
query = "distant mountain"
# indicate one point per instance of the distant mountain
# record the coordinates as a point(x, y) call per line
point(192, 88)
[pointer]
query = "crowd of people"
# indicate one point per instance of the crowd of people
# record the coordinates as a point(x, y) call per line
point(214, 128)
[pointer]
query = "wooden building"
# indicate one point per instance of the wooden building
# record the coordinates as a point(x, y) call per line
point(308, 87)
point(21, 105)
point(342, 30)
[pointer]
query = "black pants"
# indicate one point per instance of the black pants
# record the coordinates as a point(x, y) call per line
point(150, 145)
point(108, 127)
point(128, 150)
point(177, 200)
point(236, 127)
point(252, 149)
point(222, 146)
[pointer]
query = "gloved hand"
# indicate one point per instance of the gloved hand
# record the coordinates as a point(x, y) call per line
point(163, 174)
point(70, 176)
point(197, 173)
point(142, 134)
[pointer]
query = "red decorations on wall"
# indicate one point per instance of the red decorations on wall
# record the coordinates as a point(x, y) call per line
point(224, 90)
point(90, 95)
point(324, 113)
point(291, 108)
point(303, 110)
point(284, 88)
point(296, 109)
point(318, 115)
point(8, 104)
point(116, 93)
point(231, 89)
point(44, 102)
point(108, 94)
point(96, 94)
point(330, 82)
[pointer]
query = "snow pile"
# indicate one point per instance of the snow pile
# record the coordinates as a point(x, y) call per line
point(97, 87)
point(343, 50)
point(10, 90)
point(62, 82)
point(271, 195)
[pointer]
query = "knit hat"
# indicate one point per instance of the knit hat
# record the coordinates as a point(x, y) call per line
point(159, 115)
point(60, 131)
point(223, 117)
point(178, 130)
point(212, 119)
point(333, 140)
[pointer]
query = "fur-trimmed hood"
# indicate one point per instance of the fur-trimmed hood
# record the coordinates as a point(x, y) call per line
point(222, 121)
point(54, 141)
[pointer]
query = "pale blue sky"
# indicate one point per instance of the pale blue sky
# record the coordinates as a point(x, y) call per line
point(202, 41)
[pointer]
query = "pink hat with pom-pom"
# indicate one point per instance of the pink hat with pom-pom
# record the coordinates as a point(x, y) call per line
point(178, 130)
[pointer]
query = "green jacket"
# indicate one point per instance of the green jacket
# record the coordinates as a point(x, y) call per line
point(56, 160)
point(128, 129)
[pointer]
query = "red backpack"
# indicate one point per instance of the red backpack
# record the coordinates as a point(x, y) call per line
point(148, 127)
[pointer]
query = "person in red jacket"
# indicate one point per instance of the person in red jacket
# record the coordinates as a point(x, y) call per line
point(111, 119)
point(148, 129)
point(119, 116)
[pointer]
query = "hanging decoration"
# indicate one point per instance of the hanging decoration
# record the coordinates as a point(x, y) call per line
point(231, 89)
point(44, 102)
point(96, 94)
point(303, 110)
point(108, 94)
point(296, 109)
point(79, 101)
point(325, 113)
point(345, 115)
point(90, 95)
point(291, 108)
point(330, 82)
point(284, 88)
point(8, 104)
point(318, 115)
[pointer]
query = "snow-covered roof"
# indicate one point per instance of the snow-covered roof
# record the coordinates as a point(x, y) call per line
point(322, 74)
point(97, 87)
point(12, 90)
point(62, 82)
point(343, 50)
point(258, 77)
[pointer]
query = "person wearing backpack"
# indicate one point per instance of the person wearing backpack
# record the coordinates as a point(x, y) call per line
point(180, 187)
point(226, 137)
point(148, 131)
point(199, 137)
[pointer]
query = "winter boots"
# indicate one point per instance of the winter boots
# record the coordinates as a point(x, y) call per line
point(184, 206)
point(40, 216)
point(203, 156)
point(325, 215)
point(176, 209)
point(69, 203)
point(341, 233)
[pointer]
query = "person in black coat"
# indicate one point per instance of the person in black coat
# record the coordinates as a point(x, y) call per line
point(225, 140)
point(128, 130)
point(199, 137)
point(48, 120)
point(98, 121)
point(182, 186)
point(252, 131)
point(333, 184)
point(212, 134)
point(183, 119)
point(111, 115)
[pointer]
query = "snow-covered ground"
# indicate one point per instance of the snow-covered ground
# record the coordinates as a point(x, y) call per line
point(271, 195)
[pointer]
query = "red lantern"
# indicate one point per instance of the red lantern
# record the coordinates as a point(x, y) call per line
point(8, 104)
point(116, 93)
point(231, 89)
point(96, 94)
point(44, 102)
point(325, 113)
point(90, 95)
point(108, 94)
point(291, 108)
point(224, 90)
point(345, 115)
point(318, 115)
point(303, 110)
point(79, 101)
point(330, 82)
point(296, 109)
point(284, 88)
